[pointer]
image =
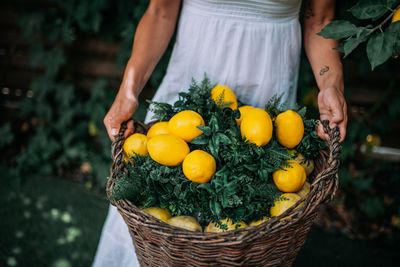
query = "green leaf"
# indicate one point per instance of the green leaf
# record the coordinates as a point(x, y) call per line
point(214, 124)
point(379, 48)
point(215, 207)
point(200, 140)
point(393, 33)
point(207, 187)
point(369, 9)
point(350, 45)
point(224, 139)
point(338, 29)
point(252, 167)
point(363, 32)
point(392, 3)
point(302, 112)
point(340, 47)
point(205, 129)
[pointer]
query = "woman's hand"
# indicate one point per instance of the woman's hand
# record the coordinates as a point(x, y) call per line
point(125, 104)
point(332, 106)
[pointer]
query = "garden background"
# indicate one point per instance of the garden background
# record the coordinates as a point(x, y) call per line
point(61, 63)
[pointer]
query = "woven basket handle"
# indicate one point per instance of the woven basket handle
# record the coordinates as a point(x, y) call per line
point(335, 151)
point(117, 152)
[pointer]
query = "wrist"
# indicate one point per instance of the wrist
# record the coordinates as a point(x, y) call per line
point(128, 91)
point(131, 85)
point(332, 81)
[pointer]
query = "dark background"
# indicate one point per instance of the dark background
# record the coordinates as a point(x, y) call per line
point(61, 63)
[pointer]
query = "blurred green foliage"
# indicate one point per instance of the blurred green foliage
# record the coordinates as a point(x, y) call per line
point(6, 134)
point(70, 129)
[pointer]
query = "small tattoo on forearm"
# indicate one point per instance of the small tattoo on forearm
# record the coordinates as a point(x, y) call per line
point(326, 69)
point(309, 12)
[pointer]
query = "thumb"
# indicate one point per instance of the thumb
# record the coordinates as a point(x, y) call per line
point(337, 116)
point(113, 130)
point(130, 129)
point(112, 125)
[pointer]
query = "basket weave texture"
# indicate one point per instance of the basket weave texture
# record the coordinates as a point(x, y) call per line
point(275, 242)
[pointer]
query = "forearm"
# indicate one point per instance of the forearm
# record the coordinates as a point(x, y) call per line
point(152, 36)
point(325, 61)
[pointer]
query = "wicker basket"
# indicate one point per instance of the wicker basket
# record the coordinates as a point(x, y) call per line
point(272, 243)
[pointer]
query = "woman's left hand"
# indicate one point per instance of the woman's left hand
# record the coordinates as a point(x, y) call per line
point(332, 106)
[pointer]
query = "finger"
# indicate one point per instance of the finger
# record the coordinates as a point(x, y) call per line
point(112, 126)
point(130, 129)
point(343, 125)
point(337, 115)
point(342, 130)
point(321, 133)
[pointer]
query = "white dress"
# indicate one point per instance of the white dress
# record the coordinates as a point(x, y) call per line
point(251, 46)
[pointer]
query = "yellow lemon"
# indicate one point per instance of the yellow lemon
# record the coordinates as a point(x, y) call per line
point(167, 149)
point(161, 214)
point(257, 127)
point(199, 166)
point(305, 190)
point(282, 203)
point(223, 95)
point(185, 222)
point(396, 15)
point(157, 129)
point(255, 223)
point(214, 227)
point(308, 165)
point(136, 144)
point(290, 179)
point(184, 124)
point(243, 111)
point(289, 128)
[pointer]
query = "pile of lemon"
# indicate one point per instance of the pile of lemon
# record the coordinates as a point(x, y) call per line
point(166, 142)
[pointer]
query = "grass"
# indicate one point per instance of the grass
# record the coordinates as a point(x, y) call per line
point(48, 221)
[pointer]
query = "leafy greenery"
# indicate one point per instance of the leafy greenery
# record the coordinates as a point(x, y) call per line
point(380, 45)
point(241, 189)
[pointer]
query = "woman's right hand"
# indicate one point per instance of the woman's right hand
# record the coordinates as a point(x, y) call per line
point(125, 104)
